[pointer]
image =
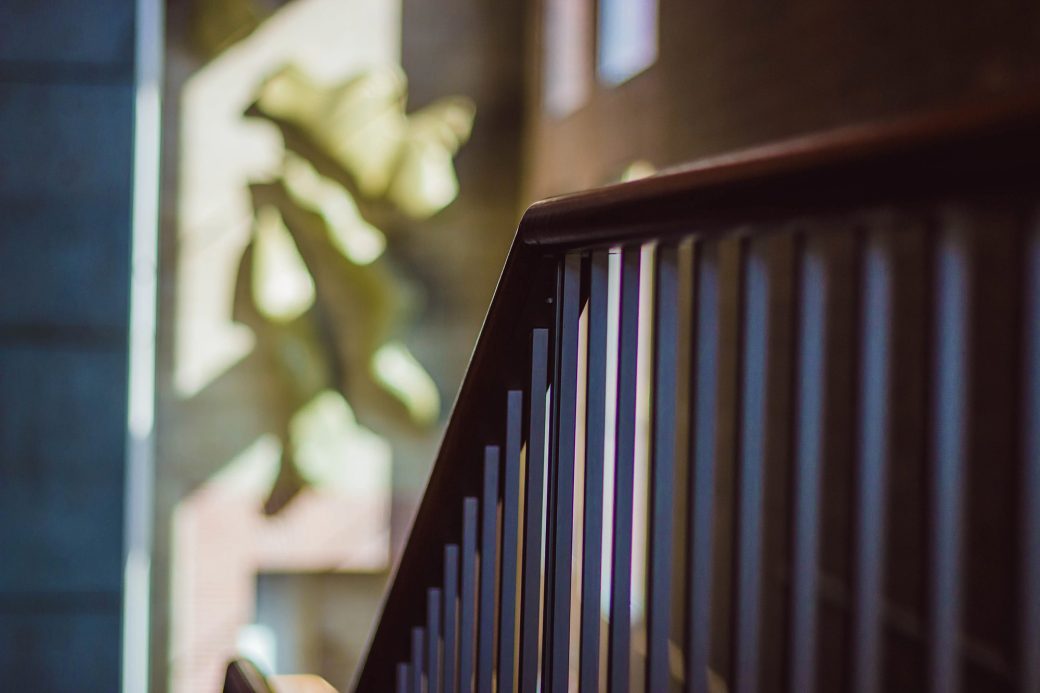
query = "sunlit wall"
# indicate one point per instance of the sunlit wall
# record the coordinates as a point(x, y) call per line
point(223, 417)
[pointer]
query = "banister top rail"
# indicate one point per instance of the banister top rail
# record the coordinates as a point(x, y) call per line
point(992, 134)
point(988, 146)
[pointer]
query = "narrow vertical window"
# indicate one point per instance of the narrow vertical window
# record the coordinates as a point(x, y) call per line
point(627, 39)
point(568, 65)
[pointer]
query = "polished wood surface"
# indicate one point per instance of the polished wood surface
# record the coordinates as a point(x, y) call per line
point(990, 148)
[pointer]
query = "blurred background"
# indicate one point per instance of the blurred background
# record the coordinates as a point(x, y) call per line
point(323, 282)
point(247, 248)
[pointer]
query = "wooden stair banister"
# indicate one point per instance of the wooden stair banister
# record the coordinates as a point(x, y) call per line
point(953, 194)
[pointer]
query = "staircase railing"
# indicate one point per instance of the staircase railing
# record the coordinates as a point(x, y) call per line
point(768, 422)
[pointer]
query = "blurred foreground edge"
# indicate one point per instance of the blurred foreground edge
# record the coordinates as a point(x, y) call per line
point(243, 677)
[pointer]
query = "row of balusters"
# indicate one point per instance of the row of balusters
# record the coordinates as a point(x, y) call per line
point(802, 459)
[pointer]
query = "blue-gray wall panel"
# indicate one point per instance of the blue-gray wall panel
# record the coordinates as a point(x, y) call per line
point(60, 650)
point(66, 161)
point(64, 265)
point(62, 431)
point(65, 193)
point(96, 33)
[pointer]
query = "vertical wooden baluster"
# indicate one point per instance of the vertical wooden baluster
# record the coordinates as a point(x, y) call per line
point(1030, 499)
point(702, 478)
point(990, 481)
point(685, 377)
point(488, 571)
point(451, 586)
point(595, 426)
point(403, 678)
point(811, 369)
point(840, 250)
point(468, 597)
point(621, 568)
point(566, 395)
point(751, 472)
point(510, 543)
point(417, 660)
point(950, 350)
point(730, 270)
point(662, 467)
point(875, 339)
point(551, 475)
point(774, 568)
point(904, 657)
point(534, 509)
point(433, 632)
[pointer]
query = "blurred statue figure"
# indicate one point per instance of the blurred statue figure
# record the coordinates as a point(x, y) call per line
point(318, 282)
point(406, 159)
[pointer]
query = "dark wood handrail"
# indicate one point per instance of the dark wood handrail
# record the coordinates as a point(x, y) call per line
point(242, 676)
point(985, 147)
point(815, 169)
